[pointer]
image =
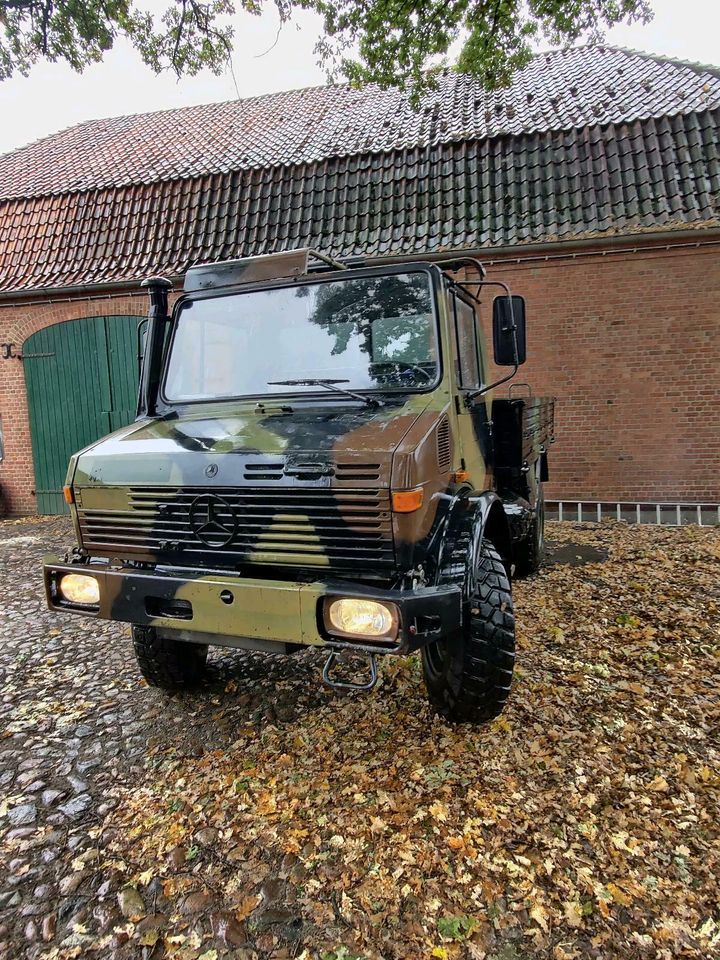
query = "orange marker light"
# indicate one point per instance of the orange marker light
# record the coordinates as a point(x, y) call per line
point(68, 494)
point(461, 476)
point(405, 501)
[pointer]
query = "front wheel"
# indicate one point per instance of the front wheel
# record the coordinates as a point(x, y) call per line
point(468, 674)
point(167, 663)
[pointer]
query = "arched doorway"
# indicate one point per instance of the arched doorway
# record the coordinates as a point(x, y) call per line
point(81, 378)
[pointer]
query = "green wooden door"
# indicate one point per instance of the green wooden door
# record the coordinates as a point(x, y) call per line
point(81, 378)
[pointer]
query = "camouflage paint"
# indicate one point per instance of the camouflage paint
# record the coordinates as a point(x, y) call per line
point(230, 448)
point(246, 608)
point(261, 609)
point(306, 484)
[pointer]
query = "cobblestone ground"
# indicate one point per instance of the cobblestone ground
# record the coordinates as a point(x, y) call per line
point(75, 720)
point(616, 667)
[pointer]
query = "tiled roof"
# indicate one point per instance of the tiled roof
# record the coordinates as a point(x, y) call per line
point(562, 90)
point(552, 185)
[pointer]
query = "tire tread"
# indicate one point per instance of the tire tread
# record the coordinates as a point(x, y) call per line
point(167, 663)
point(477, 682)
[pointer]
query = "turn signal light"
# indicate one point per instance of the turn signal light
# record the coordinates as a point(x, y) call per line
point(68, 494)
point(405, 501)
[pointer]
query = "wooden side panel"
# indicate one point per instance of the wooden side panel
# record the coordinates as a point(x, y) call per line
point(520, 428)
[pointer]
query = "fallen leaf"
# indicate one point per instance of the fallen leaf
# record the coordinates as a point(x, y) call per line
point(573, 913)
point(246, 907)
point(540, 916)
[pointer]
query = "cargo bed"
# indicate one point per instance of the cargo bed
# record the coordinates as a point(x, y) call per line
point(523, 428)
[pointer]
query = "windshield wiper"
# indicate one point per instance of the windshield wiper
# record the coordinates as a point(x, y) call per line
point(330, 385)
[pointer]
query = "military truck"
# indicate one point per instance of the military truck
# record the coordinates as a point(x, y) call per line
point(319, 460)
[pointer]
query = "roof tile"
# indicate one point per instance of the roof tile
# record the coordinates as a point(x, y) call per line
point(559, 90)
point(544, 185)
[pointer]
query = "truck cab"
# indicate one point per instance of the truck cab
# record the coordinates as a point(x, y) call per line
point(318, 460)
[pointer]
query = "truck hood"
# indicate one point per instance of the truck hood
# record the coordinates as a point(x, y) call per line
point(240, 448)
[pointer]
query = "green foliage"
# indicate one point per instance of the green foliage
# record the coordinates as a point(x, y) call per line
point(399, 44)
point(627, 620)
point(456, 928)
point(383, 41)
point(342, 953)
point(189, 36)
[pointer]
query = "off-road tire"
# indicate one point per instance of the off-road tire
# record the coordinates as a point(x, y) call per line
point(168, 664)
point(468, 674)
point(530, 552)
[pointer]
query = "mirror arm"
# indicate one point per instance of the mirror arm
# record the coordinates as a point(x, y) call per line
point(469, 397)
point(459, 262)
point(497, 283)
point(461, 285)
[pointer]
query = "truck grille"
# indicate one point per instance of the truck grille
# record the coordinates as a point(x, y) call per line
point(293, 526)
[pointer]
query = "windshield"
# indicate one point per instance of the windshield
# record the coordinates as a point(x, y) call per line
point(369, 333)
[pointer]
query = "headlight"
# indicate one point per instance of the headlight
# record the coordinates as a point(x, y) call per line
point(79, 588)
point(365, 618)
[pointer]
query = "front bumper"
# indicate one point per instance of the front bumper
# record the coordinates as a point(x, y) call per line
point(250, 609)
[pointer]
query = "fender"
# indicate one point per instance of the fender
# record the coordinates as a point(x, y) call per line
point(490, 522)
point(479, 516)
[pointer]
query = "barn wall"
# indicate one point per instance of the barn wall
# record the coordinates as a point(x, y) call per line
point(17, 323)
point(630, 345)
point(628, 342)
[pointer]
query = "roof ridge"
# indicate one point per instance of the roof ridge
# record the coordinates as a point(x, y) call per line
point(695, 65)
point(168, 110)
point(266, 97)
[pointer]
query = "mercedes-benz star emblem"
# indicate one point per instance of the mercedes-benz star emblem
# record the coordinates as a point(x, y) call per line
point(213, 521)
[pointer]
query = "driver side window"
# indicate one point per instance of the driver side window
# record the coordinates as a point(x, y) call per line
point(467, 347)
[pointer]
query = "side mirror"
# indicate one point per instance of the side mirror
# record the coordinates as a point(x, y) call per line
point(509, 331)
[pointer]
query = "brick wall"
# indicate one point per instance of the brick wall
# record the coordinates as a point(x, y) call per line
point(630, 345)
point(628, 342)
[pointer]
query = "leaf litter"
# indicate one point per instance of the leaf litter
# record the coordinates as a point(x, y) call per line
point(581, 823)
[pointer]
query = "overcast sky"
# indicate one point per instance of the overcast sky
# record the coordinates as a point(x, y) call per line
point(54, 96)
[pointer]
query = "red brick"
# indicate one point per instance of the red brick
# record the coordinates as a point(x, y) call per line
point(639, 329)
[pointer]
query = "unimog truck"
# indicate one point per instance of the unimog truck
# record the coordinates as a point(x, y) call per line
point(319, 460)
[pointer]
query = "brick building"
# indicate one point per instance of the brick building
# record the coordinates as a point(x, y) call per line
point(592, 183)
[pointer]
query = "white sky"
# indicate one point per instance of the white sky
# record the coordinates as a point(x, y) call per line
point(54, 96)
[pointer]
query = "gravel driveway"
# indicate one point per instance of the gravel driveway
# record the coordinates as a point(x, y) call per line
point(267, 817)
